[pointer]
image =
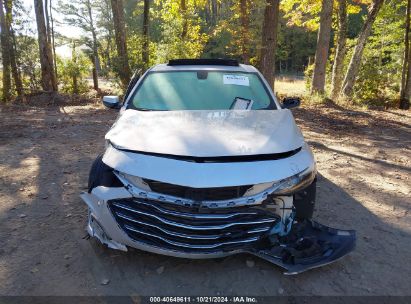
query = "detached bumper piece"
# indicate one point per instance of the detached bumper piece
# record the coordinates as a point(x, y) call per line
point(308, 245)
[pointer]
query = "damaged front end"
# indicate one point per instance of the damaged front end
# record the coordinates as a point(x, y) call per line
point(266, 226)
point(208, 207)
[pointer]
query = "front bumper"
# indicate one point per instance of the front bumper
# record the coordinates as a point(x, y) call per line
point(119, 220)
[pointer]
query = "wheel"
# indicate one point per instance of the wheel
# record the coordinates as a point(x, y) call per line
point(102, 175)
point(304, 202)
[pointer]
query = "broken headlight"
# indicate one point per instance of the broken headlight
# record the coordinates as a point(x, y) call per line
point(295, 183)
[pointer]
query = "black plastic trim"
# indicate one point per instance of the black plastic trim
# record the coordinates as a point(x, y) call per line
point(204, 61)
point(218, 159)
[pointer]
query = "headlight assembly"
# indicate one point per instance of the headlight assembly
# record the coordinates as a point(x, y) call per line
point(286, 186)
point(295, 183)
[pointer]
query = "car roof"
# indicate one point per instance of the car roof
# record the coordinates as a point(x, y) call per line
point(240, 68)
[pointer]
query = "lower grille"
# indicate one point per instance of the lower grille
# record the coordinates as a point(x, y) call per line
point(188, 229)
point(198, 194)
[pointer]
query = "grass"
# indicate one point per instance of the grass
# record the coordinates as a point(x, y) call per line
point(290, 88)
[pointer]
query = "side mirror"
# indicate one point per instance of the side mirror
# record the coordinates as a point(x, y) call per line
point(291, 102)
point(112, 102)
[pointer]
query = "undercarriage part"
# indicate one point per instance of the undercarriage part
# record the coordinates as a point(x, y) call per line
point(284, 209)
point(308, 245)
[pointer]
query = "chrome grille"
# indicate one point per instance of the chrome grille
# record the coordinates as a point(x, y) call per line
point(190, 229)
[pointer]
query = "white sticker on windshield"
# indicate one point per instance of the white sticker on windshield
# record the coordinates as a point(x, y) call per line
point(237, 80)
point(241, 104)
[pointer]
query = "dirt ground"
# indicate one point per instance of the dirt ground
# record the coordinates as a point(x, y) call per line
point(364, 161)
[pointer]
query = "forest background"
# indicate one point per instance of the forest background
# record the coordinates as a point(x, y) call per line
point(348, 51)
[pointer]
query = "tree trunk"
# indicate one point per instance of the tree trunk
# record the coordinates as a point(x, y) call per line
point(355, 63)
point(15, 71)
point(121, 41)
point(269, 40)
point(5, 51)
point(245, 28)
point(109, 47)
point(48, 78)
point(13, 60)
point(74, 75)
point(406, 74)
point(211, 12)
point(214, 12)
point(207, 13)
point(341, 50)
point(53, 42)
point(95, 78)
point(183, 8)
point(108, 51)
point(96, 60)
point(405, 101)
point(46, 15)
point(14, 65)
point(146, 37)
point(323, 46)
point(50, 36)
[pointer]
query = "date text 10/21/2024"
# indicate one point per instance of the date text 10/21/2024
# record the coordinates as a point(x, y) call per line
point(204, 299)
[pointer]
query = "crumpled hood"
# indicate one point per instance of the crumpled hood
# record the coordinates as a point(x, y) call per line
point(206, 133)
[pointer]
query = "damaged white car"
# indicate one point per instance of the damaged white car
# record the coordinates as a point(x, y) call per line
point(204, 162)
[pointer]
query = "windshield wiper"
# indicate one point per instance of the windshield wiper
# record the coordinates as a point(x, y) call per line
point(147, 110)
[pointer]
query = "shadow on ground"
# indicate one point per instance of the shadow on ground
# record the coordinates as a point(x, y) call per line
point(45, 158)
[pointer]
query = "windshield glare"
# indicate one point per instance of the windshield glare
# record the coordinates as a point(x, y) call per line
point(199, 90)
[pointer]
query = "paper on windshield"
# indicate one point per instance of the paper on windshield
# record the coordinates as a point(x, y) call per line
point(241, 104)
point(236, 80)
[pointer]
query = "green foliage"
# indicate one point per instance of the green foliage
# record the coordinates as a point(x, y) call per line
point(29, 61)
point(213, 28)
point(304, 13)
point(295, 47)
point(72, 72)
point(380, 73)
point(174, 43)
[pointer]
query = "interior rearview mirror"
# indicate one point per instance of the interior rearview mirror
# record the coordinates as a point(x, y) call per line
point(291, 102)
point(112, 102)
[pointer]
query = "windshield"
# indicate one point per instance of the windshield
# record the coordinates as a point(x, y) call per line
point(200, 90)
